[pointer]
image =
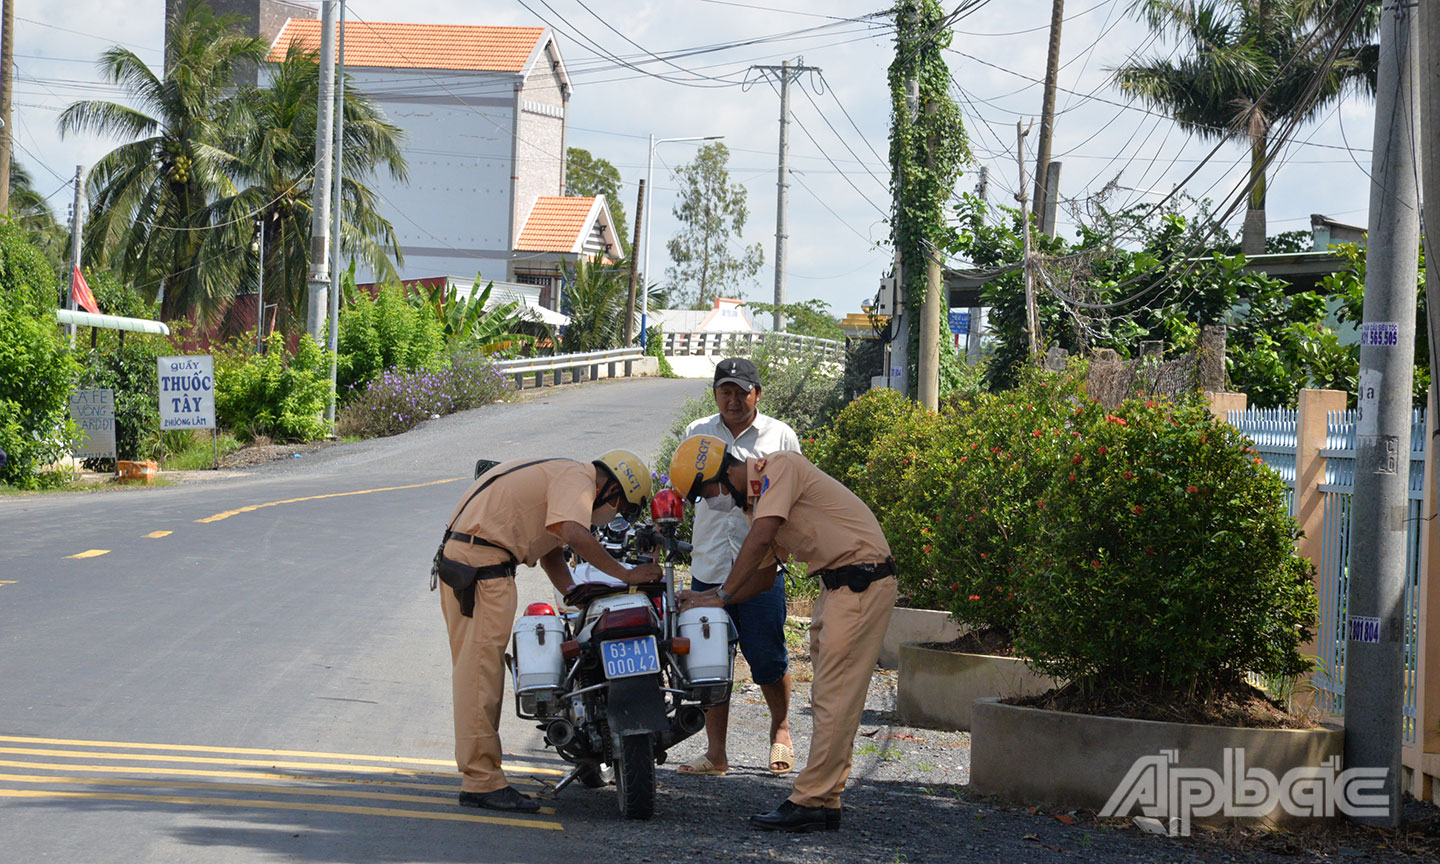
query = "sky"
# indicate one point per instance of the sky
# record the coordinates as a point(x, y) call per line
point(839, 199)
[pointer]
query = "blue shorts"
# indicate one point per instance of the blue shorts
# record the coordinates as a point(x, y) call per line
point(760, 621)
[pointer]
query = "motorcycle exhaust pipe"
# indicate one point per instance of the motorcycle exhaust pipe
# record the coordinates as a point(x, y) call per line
point(560, 733)
point(690, 719)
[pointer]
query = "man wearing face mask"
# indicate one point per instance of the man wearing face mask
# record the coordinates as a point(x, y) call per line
point(720, 529)
point(797, 509)
point(520, 511)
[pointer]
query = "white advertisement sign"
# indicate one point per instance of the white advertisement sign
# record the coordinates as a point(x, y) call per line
point(187, 392)
point(94, 412)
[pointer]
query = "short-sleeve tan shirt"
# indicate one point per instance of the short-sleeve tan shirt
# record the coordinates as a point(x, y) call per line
point(826, 525)
point(517, 508)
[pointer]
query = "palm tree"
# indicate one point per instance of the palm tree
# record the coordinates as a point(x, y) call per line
point(1250, 67)
point(275, 157)
point(151, 219)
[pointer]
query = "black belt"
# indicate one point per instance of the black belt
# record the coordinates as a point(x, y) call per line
point(856, 577)
point(478, 541)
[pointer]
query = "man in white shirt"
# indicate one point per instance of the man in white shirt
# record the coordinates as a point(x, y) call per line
point(720, 530)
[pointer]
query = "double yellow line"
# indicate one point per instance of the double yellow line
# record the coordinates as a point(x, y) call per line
point(290, 774)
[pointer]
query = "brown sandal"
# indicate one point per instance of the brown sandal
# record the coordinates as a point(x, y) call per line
point(781, 754)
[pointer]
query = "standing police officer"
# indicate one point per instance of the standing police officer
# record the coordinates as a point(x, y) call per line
point(797, 509)
point(720, 529)
point(519, 511)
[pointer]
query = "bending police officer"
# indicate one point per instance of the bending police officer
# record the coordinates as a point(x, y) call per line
point(797, 509)
point(520, 511)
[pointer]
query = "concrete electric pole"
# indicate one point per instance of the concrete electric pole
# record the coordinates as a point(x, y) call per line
point(7, 93)
point(1047, 116)
point(786, 73)
point(1032, 315)
point(320, 199)
point(1375, 641)
point(77, 234)
point(337, 183)
point(634, 259)
point(928, 368)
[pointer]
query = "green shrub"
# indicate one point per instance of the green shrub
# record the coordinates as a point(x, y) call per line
point(37, 372)
point(800, 386)
point(906, 506)
point(985, 487)
point(655, 347)
point(273, 394)
point(399, 400)
point(27, 282)
point(842, 449)
point(129, 369)
point(385, 333)
point(1166, 561)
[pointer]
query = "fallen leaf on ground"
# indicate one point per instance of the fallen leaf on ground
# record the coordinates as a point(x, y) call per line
point(1065, 819)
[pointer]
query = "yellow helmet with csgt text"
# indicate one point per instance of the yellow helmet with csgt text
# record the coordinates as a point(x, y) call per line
point(632, 475)
point(698, 460)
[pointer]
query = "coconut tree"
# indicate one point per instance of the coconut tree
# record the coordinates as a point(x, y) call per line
point(31, 212)
point(151, 219)
point(1247, 69)
point(273, 171)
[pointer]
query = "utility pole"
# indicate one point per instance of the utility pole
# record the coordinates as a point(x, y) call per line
point(336, 182)
point(1032, 315)
point(1047, 112)
point(900, 318)
point(928, 373)
point(1052, 199)
point(634, 260)
point(260, 286)
point(785, 73)
point(1375, 641)
point(7, 93)
point(1429, 23)
point(77, 233)
point(982, 185)
point(320, 183)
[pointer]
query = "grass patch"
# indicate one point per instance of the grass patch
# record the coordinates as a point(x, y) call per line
point(197, 451)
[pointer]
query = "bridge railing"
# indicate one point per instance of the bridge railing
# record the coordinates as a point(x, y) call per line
point(579, 365)
point(739, 344)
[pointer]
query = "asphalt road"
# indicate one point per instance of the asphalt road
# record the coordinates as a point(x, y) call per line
point(253, 668)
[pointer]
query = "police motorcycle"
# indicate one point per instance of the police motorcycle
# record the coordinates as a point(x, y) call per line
point(626, 676)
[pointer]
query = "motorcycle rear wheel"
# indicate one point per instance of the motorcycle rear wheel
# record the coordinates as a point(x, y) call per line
point(635, 775)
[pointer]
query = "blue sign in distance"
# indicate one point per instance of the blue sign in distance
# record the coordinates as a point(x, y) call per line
point(960, 322)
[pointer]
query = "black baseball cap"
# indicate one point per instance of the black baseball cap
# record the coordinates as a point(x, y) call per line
point(737, 370)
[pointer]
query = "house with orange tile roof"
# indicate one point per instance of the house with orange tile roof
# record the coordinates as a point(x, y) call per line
point(483, 110)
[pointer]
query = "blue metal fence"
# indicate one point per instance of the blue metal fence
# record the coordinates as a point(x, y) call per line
point(1274, 434)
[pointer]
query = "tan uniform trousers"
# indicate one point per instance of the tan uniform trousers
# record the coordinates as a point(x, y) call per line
point(477, 657)
point(845, 637)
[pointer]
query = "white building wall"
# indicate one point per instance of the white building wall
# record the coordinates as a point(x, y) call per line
point(451, 217)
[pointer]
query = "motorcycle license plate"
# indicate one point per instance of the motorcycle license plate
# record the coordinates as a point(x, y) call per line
point(623, 658)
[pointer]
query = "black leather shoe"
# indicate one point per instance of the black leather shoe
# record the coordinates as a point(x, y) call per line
point(501, 799)
point(790, 816)
point(832, 818)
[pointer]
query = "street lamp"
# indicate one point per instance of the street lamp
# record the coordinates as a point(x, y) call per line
point(650, 184)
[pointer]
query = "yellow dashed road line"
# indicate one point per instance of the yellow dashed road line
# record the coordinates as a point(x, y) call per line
point(447, 796)
point(253, 507)
point(253, 751)
point(156, 535)
point(258, 763)
point(261, 804)
point(4, 582)
point(90, 553)
point(247, 775)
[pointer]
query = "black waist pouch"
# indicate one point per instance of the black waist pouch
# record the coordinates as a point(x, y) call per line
point(461, 578)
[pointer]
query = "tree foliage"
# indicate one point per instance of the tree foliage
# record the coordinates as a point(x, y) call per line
point(712, 213)
point(1247, 69)
point(173, 209)
point(805, 318)
point(588, 176)
point(31, 212)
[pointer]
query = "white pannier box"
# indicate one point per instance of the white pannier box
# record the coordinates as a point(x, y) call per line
point(538, 664)
point(708, 629)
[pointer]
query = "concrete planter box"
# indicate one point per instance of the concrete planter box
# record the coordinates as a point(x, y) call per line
point(915, 625)
point(939, 688)
point(1059, 759)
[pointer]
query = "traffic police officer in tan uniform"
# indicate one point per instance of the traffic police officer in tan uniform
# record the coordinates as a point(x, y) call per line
point(797, 509)
point(521, 511)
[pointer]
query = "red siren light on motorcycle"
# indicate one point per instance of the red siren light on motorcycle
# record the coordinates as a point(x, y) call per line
point(667, 506)
point(539, 609)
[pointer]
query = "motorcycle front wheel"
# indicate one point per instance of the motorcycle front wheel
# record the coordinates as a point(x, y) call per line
point(635, 775)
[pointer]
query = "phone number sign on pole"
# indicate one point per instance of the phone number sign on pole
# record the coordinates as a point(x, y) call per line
point(187, 392)
point(1381, 334)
